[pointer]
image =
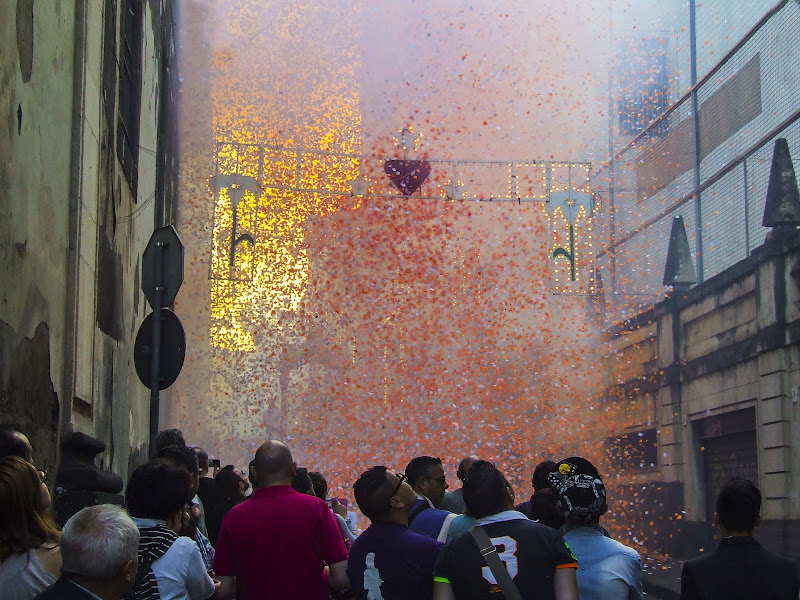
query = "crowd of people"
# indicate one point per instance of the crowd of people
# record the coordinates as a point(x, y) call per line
point(190, 531)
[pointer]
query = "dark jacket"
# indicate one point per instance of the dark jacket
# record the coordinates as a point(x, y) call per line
point(542, 508)
point(215, 516)
point(740, 568)
point(65, 589)
point(207, 492)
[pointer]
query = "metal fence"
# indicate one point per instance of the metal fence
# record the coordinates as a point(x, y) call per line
point(712, 168)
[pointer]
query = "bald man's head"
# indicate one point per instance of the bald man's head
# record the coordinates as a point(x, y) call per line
point(464, 466)
point(273, 464)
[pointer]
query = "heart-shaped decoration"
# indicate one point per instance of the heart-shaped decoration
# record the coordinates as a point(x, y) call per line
point(407, 175)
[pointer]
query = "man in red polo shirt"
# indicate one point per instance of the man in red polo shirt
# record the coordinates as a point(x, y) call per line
point(276, 543)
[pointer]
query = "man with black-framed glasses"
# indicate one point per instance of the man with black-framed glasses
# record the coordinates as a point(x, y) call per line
point(426, 476)
point(388, 561)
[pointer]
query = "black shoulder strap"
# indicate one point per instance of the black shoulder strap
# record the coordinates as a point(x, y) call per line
point(144, 569)
point(489, 554)
point(153, 544)
point(413, 514)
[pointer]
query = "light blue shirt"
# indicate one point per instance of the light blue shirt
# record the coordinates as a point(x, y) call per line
point(464, 523)
point(459, 525)
point(607, 570)
point(180, 573)
point(453, 501)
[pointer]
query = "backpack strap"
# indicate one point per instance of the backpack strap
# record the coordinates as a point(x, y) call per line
point(498, 569)
point(139, 589)
point(413, 514)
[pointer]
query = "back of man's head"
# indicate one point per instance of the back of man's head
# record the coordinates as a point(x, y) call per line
point(320, 485)
point(485, 490)
point(184, 458)
point(273, 464)
point(372, 492)
point(419, 468)
point(202, 458)
point(168, 437)
point(302, 483)
point(539, 481)
point(14, 443)
point(464, 466)
point(181, 456)
point(227, 482)
point(739, 506)
point(98, 541)
point(157, 490)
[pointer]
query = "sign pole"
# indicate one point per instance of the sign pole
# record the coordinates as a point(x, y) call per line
point(155, 383)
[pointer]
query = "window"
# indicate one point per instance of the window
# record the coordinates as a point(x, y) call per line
point(642, 83)
point(130, 90)
point(110, 65)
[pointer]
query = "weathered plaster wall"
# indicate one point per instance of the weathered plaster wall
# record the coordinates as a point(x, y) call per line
point(71, 231)
point(35, 90)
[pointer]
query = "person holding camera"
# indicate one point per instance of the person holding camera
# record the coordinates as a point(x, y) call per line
point(207, 487)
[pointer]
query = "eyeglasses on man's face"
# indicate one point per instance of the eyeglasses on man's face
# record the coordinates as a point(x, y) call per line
point(401, 478)
point(442, 479)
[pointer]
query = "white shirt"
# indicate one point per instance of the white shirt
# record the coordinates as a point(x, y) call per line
point(180, 573)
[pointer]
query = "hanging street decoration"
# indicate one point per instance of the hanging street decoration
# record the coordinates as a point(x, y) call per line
point(572, 204)
point(407, 175)
point(360, 185)
point(237, 186)
point(562, 189)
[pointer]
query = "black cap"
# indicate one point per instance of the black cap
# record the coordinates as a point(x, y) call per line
point(578, 483)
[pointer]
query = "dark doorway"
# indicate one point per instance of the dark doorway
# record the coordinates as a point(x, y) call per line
point(728, 448)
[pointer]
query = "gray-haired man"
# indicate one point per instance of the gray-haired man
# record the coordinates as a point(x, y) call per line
point(98, 547)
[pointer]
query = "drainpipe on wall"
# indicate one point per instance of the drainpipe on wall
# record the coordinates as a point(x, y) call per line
point(698, 212)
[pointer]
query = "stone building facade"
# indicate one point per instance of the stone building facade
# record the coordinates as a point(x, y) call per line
point(88, 159)
point(707, 377)
point(710, 378)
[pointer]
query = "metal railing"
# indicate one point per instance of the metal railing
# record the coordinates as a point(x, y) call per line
point(711, 167)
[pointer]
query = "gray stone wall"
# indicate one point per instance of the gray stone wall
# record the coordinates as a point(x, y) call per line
point(721, 362)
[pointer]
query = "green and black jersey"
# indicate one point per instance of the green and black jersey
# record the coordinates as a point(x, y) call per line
point(531, 553)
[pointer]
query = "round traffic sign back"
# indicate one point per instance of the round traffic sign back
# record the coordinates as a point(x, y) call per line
point(173, 349)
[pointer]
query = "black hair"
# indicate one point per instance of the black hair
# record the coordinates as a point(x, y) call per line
point(182, 456)
point(464, 466)
point(168, 437)
point(302, 482)
point(420, 467)
point(540, 473)
point(156, 490)
point(12, 445)
point(202, 458)
point(227, 481)
point(739, 505)
point(369, 494)
point(319, 483)
point(485, 490)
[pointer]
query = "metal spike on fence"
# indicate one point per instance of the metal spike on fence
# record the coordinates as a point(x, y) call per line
point(782, 207)
point(679, 270)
